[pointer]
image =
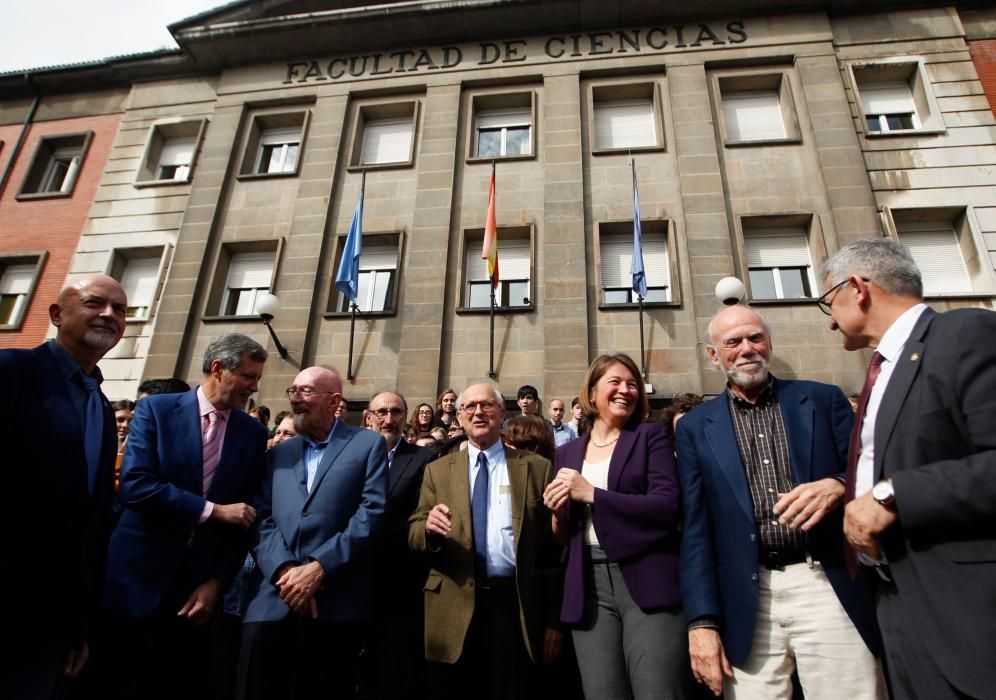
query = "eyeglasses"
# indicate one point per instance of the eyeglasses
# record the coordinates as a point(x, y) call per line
point(385, 412)
point(306, 392)
point(824, 304)
point(470, 408)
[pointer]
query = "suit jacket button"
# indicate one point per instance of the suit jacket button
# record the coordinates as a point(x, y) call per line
point(305, 514)
point(753, 537)
point(753, 577)
point(471, 584)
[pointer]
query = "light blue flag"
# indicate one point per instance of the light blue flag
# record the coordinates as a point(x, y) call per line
point(347, 280)
point(636, 267)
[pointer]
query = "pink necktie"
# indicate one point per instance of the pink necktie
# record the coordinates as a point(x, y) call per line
point(212, 447)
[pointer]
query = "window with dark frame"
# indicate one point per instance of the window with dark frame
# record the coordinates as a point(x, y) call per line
point(514, 271)
point(248, 279)
point(56, 165)
point(779, 263)
point(615, 242)
point(378, 276)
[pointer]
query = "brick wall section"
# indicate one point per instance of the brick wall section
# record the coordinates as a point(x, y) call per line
point(983, 55)
point(53, 225)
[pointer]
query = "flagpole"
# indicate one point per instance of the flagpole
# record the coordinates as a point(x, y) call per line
point(352, 306)
point(491, 330)
point(638, 251)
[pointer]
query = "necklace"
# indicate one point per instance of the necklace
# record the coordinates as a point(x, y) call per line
point(604, 444)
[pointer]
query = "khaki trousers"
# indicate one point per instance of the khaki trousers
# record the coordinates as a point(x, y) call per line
point(802, 625)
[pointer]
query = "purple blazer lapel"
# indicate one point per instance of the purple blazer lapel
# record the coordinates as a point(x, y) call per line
point(620, 457)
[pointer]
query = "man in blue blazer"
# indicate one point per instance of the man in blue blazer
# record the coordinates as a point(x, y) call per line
point(762, 574)
point(57, 431)
point(191, 465)
point(320, 504)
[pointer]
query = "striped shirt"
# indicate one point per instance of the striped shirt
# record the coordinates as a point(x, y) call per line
point(760, 433)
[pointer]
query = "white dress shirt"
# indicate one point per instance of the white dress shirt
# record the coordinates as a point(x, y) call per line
point(596, 474)
point(501, 539)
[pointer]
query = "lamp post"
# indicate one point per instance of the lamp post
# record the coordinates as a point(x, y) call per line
point(267, 307)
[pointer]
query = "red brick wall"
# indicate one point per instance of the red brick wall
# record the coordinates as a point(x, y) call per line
point(53, 224)
point(983, 54)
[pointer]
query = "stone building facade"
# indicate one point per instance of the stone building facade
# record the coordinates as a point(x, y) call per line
point(762, 139)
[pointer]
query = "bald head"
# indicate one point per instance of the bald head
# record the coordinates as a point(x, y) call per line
point(90, 316)
point(739, 344)
point(318, 393)
point(387, 414)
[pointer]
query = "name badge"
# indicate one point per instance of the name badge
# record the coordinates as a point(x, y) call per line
point(505, 490)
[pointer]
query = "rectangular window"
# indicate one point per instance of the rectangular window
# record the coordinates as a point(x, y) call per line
point(514, 261)
point(378, 276)
point(753, 116)
point(935, 249)
point(386, 141)
point(894, 95)
point(616, 258)
point(170, 152)
point(249, 277)
point(15, 285)
point(502, 125)
point(889, 107)
point(779, 264)
point(274, 144)
point(175, 160)
point(140, 280)
point(278, 151)
point(55, 166)
point(504, 132)
point(756, 107)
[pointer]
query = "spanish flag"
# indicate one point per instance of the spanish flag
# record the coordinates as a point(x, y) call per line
point(490, 252)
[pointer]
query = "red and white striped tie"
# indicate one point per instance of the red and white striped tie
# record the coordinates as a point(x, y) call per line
point(212, 447)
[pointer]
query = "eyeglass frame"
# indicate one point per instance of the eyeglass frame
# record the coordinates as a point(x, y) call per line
point(304, 391)
point(827, 306)
point(385, 412)
point(488, 406)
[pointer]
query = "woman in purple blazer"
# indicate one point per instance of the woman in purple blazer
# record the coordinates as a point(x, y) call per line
point(616, 500)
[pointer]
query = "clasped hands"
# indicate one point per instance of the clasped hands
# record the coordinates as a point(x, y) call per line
point(567, 485)
point(297, 585)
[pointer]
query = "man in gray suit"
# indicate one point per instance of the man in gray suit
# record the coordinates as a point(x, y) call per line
point(321, 501)
point(922, 470)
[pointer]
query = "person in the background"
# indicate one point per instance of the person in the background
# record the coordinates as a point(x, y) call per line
point(124, 411)
point(446, 408)
point(342, 410)
point(576, 413)
point(676, 410)
point(562, 433)
point(262, 414)
point(285, 430)
point(422, 421)
point(154, 387)
point(616, 500)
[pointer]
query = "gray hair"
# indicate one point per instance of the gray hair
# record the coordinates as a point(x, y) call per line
point(389, 391)
point(228, 349)
point(494, 390)
point(884, 261)
point(708, 341)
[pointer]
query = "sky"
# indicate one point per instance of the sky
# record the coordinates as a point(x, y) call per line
point(38, 33)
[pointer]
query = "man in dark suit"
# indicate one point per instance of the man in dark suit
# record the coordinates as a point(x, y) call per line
point(482, 523)
point(762, 575)
point(922, 470)
point(321, 502)
point(394, 638)
point(58, 433)
point(192, 463)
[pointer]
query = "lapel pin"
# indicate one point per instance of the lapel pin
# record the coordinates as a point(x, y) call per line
point(915, 357)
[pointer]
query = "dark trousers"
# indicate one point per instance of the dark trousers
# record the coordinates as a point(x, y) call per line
point(157, 656)
point(394, 656)
point(913, 672)
point(494, 664)
point(298, 658)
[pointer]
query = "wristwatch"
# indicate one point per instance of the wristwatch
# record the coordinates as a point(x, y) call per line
point(884, 494)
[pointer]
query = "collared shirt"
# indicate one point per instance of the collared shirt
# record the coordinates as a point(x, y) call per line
point(760, 434)
point(562, 434)
point(313, 452)
point(890, 347)
point(73, 374)
point(204, 407)
point(390, 455)
point(501, 539)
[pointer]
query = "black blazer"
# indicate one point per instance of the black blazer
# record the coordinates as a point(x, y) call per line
point(935, 437)
point(55, 545)
point(399, 574)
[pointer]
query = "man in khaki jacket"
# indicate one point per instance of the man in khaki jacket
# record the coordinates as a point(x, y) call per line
point(482, 524)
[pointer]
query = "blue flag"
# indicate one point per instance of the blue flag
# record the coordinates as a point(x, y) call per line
point(636, 266)
point(347, 280)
